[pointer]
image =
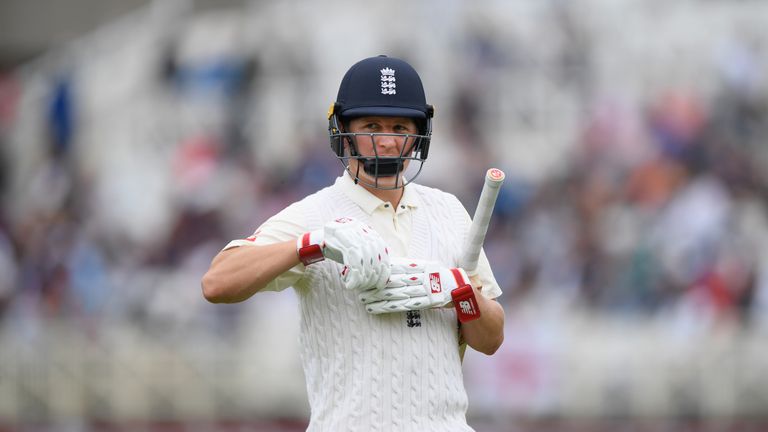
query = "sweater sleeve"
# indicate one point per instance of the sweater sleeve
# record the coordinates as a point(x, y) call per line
point(286, 225)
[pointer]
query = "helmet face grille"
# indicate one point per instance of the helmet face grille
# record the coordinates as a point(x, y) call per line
point(403, 168)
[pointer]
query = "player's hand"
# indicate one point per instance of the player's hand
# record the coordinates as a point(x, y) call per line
point(416, 285)
point(350, 242)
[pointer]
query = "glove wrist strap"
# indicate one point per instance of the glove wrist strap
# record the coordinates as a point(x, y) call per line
point(309, 252)
point(464, 300)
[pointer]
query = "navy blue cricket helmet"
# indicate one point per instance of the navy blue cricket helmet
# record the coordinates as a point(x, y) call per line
point(381, 86)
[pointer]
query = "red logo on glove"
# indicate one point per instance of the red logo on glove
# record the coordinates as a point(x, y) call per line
point(434, 283)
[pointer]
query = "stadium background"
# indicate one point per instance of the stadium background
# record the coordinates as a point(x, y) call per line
point(137, 138)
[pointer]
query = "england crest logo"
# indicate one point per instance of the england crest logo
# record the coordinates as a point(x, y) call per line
point(388, 86)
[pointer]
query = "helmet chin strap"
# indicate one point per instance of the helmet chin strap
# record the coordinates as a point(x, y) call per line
point(386, 169)
point(382, 167)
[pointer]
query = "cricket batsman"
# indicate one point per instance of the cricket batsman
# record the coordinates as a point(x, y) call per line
point(375, 261)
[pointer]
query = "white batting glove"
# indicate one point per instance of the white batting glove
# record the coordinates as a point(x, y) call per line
point(417, 284)
point(350, 242)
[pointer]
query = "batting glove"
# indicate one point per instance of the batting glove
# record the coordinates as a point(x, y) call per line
point(357, 246)
point(416, 285)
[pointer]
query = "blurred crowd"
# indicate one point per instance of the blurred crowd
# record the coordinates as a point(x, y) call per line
point(635, 190)
point(658, 207)
point(669, 214)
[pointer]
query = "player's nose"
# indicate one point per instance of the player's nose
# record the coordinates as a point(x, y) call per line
point(387, 141)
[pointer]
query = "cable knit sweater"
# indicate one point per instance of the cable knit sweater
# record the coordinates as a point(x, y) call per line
point(391, 372)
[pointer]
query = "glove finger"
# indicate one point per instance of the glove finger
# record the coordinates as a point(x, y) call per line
point(375, 264)
point(382, 270)
point(373, 277)
point(414, 291)
point(395, 281)
point(416, 303)
point(398, 280)
point(413, 279)
point(362, 253)
point(383, 276)
point(369, 296)
point(352, 278)
point(395, 294)
point(376, 308)
point(367, 274)
point(406, 267)
point(360, 277)
point(375, 295)
point(386, 307)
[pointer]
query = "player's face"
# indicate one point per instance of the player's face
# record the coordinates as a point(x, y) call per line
point(386, 145)
point(382, 145)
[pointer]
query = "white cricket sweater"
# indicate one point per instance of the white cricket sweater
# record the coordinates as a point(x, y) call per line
point(378, 372)
point(391, 372)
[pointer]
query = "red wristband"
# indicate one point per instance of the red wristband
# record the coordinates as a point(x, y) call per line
point(309, 253)
point(465, 303)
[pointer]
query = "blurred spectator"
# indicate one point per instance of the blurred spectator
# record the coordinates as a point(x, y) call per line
point(62, 116)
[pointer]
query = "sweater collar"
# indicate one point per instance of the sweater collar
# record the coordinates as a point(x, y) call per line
point(370, 202)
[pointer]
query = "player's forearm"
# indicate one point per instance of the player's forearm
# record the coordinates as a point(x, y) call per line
point(486, 333)
point(238, 273)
